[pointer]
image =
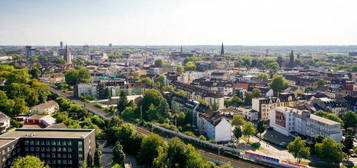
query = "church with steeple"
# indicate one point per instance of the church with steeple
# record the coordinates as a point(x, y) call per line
point(220, 56)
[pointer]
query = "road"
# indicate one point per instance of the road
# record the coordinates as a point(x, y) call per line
point(105, 115)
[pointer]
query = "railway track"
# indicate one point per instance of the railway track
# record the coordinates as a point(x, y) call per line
point(206, 154)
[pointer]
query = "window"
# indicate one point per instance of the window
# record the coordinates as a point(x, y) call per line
point(69, 155)
point(26, 142)
point(69, 143)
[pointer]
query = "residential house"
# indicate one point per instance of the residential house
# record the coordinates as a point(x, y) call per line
point(45, 108)
point(215, 126)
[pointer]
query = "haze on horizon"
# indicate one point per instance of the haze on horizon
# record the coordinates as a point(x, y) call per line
point(175, 22)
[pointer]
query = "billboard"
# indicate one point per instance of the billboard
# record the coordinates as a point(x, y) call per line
point(280, 119)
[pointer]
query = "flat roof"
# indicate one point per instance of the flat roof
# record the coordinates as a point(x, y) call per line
point(47, 133)
point(5, 141)
point(323, 120)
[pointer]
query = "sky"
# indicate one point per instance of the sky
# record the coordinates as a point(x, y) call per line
point(178, 22)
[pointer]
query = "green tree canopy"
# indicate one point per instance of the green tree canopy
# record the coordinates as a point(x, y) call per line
point(298, 149)
point(29, 162)
point(248, 129)
point(77, 75)
point(263, 76)
point(118, 154)
point(329, 150)
point(278, 84)
point(190, 66)
point(349, 119)
point(238, 120)
point(150, 148)
point(159, 63)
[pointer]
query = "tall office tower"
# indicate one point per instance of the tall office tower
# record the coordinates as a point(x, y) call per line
point(292, 59)
point(86, 50)
point(67, 55)
point(181, 50)
point(28, 52)
point(61, 45)
point(110, 45)
point(222, 50)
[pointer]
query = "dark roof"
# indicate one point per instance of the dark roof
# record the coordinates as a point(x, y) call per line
point(212, 116)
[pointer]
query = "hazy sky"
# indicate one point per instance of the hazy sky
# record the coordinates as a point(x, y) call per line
point(175, 22)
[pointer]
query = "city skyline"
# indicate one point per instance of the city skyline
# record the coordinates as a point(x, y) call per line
point(174, 23)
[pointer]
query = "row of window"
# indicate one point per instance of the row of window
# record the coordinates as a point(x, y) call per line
point(52, 155)
point(48, 142)
point(48, 149)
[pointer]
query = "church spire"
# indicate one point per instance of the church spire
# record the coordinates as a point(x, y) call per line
point(222, 50)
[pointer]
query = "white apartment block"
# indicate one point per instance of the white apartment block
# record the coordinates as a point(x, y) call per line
point(290, 120)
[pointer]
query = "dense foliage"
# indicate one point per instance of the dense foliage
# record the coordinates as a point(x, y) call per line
point(29, 162)
point(20, 92)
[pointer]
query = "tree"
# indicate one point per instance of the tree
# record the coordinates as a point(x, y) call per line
point(278, 84)
point(59, 60)
point(256, 92)
point(174, 156)
point(349, 119)
point(348, 143)
point(35, 73)
point(180, 69)
point(235, 101)
point(118, 154)
point(116, 166)
point(98, 156)
point(150, 148)
point(77, 75)
point(330, 116)
point(321, 83)
point(238, 120)
point(330, 151)
point(237, 132)
point(159, 63)
point(262, 76)
point(129, 138)
point(151, 97)
point(190, 66)
point(168, 88)
point(248, 98)
point(298, 149)
point(123, 102)
point(29, 162)
point(20, 107)
point(214, 106)
point(248, 129)
point(260, 128)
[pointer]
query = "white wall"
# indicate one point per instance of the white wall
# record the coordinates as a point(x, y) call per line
point(223, 131)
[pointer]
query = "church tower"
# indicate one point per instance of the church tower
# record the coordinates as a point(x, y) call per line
point(222, 50)
point(67, 55)
point(292, 59)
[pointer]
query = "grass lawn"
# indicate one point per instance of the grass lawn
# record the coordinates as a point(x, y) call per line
point(254, 145)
